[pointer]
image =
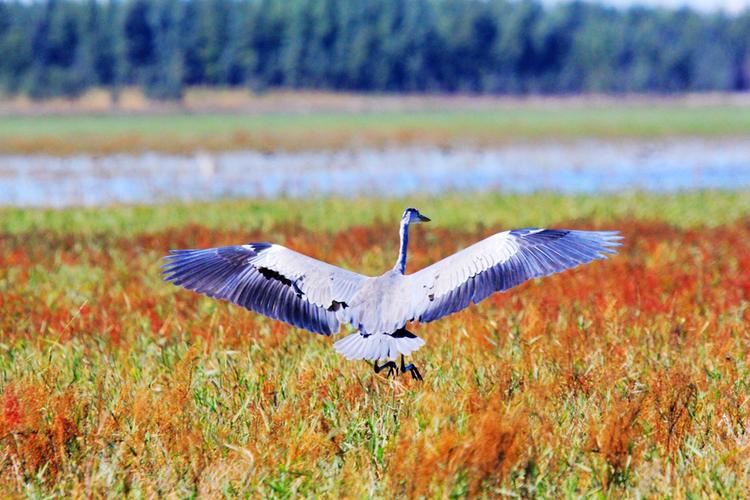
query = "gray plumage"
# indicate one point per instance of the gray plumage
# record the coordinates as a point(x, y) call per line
point(307, 293)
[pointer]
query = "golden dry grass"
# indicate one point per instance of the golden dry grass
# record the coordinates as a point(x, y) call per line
point(211, 99)
point(626, 377)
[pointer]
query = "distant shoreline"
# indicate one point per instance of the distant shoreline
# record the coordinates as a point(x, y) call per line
point(132, 101)
point(293, 122)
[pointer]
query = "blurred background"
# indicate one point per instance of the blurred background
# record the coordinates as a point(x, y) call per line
point(142, 101)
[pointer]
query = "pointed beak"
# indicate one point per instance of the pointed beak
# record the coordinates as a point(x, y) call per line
point(422, 218)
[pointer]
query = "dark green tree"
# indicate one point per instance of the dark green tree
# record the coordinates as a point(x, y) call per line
point(164, 76)
point(138, 40)
point(62, 47)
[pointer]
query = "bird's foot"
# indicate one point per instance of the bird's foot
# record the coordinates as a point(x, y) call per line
point(390, 365)
point(411, 369)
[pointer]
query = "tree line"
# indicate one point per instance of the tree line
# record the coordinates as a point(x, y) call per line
point(63, 47)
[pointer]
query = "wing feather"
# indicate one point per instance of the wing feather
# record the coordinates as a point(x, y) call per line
point(268, 279)
point(500, 262)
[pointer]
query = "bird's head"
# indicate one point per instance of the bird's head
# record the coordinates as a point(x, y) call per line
point(412, 216)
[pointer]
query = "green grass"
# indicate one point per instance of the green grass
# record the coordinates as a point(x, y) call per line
point(706, 208)
point(67, 134)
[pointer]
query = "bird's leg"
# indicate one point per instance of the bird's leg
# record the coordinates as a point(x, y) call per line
point(410, 368)
point(391, 365)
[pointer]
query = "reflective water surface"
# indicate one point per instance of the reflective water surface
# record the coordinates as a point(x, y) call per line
point(586, 166)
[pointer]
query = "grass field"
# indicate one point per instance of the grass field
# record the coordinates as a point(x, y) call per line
point(67, 134)
point(625, 377)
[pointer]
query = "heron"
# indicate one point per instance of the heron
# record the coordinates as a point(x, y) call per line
point(307, 293)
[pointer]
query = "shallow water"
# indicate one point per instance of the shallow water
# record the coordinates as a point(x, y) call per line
point(586, 166)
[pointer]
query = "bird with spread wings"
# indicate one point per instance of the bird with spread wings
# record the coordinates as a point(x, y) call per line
point(288, 286)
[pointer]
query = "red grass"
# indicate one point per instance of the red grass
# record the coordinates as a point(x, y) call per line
point(617, 367)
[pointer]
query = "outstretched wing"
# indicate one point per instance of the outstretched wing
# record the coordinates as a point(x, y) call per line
point(268, 279)
point(500, 262)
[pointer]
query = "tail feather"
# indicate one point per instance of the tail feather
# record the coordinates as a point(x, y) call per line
point(377, 346)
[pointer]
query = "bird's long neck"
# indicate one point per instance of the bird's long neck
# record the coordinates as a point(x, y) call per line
point(401, 262)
